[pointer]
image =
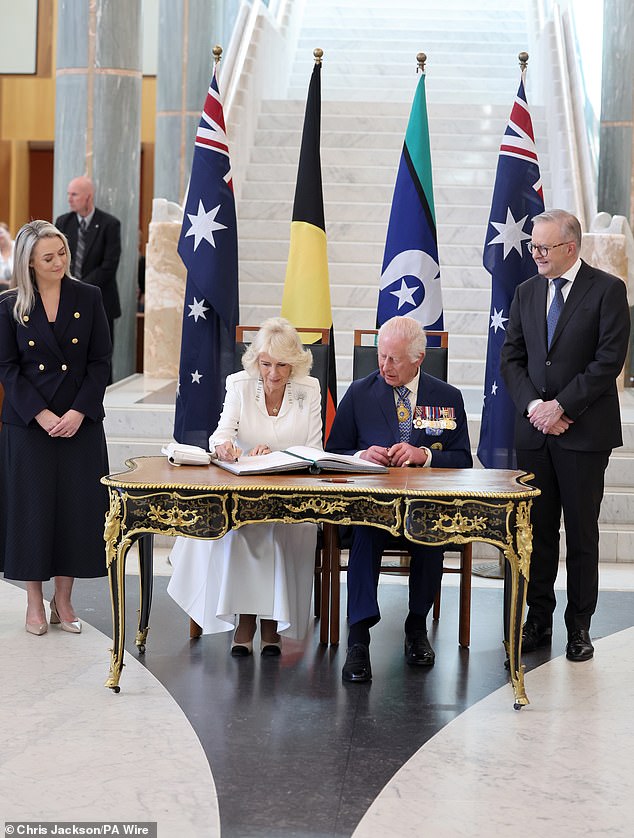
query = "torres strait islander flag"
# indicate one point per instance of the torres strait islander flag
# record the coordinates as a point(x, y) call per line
point(410, 276)
point(517, 199)
point(208, 246)
point(306, 298)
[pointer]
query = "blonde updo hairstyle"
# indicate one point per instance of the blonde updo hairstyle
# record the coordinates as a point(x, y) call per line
point(279, 339)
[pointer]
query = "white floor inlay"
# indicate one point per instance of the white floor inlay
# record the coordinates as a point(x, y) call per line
point(560, 767)
point(72, 750)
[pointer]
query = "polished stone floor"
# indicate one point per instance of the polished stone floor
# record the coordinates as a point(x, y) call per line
point(292, 750)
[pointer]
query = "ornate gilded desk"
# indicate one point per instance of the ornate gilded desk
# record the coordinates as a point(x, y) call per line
point(429, 506)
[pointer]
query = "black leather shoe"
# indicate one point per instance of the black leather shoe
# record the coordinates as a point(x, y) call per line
point(579, 646)
point(534, 636)
point(357, 666)
point(418, 650)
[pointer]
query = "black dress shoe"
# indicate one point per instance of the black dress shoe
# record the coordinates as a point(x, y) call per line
point(534, 636)
point(418, 650)
point(579, 646)
point(357, 666)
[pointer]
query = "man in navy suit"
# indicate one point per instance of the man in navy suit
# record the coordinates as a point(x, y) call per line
point(399, 417)
point(566, 343)
point(98, 263)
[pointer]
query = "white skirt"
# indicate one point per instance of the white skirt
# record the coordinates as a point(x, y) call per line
point(263, 569)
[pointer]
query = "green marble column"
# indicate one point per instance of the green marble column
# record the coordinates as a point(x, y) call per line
point(617, 111)
point(188, 29)
point(98, 131)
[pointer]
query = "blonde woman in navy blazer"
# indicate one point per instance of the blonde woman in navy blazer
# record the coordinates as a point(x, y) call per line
point(55, 354)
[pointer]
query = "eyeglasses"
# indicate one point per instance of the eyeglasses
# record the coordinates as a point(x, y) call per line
point(544, 249)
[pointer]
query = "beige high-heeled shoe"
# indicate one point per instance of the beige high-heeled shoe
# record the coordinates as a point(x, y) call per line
point(36, 628)
point(73, 626)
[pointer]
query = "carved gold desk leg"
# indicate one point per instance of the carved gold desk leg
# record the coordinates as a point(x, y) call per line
point(116, 575)
point(116, 550)
point(518, 556)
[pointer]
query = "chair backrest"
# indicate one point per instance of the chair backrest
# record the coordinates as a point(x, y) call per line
point(320, 351)
point(365, 360)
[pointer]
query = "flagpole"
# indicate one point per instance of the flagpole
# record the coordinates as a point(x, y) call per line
point(496, 569)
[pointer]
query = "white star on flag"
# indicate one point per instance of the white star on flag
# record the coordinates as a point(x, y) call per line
point(497, 321)
point(494, 388)
point(405, 294)
point(204, 225)
point(511, 233)
point(196, 376)
point(197, 310)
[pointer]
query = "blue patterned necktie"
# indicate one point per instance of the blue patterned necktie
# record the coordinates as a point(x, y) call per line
point(404, 414)
point(81, 248)
point(556, 307)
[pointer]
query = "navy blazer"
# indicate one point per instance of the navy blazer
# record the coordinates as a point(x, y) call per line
point(60, 367)
point(367, 416)
point(580, 369)
point(101, 256)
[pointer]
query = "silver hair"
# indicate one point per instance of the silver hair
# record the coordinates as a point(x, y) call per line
point(408, 329)
point(23, 278)
point(279, 339)
point(568, 224)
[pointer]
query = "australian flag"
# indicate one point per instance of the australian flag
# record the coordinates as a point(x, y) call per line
point(208, 246)
point(410, 276)
point(517, 199)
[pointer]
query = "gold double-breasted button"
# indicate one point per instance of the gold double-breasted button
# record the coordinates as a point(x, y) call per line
point(77, 315)
point(75, 340)
point(42, 367)
point(31, 343)
point(64, 367)
point(26, 318)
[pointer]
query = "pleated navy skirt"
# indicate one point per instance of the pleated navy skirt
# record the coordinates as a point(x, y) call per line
point(52, 505)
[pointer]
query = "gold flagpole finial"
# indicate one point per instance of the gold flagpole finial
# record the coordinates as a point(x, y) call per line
point(318, 54)
point(523, 59)
point(217, 53)
point(421, 58)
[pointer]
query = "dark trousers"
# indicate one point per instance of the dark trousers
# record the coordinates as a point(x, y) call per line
point(572, 481)
point(368, 544)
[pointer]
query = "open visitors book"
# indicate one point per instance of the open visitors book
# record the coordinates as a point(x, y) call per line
point(297, 458)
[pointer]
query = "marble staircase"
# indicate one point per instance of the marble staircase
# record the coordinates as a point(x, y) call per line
point(368, 81)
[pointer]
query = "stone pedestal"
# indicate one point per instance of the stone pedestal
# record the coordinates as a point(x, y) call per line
point(610, 246)
point(165, 278)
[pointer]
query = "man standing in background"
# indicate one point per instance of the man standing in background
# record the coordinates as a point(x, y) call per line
point(94, 238)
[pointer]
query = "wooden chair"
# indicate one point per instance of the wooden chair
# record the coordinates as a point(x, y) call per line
point(365, 361)
point(317, 340)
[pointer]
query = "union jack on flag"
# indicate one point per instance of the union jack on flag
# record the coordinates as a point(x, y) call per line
point(208, 246)
point(517, 199)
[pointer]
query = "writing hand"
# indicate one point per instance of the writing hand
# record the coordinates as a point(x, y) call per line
point(228, 452)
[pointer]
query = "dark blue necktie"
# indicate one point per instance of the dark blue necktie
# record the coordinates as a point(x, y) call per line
point(556, 307)
point(404, 414)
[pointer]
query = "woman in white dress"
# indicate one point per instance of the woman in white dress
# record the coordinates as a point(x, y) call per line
point(263, 570)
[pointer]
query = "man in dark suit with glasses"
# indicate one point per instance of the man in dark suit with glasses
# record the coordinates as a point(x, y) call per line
point(566, 342)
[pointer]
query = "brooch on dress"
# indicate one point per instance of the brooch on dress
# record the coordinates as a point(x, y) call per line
point(434, 419)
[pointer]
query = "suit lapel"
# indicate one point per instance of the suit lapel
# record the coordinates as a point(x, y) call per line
point(92, 232)
point(580, 287)
point(385, 399)
point(41, 325)
point(539, 308)
point(67, 306)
